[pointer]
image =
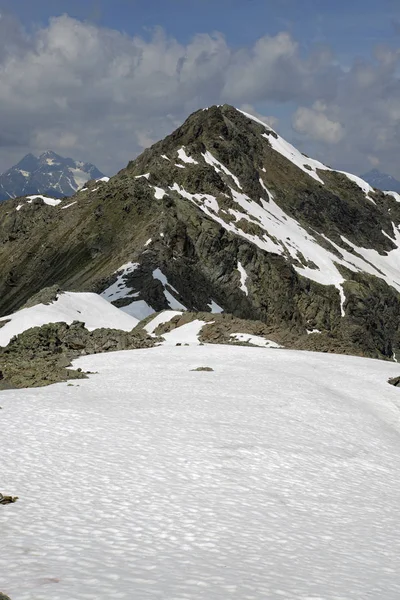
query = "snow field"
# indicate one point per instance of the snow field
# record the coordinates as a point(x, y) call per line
point(277, 476)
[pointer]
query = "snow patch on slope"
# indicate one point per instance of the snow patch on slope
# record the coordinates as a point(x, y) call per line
point(185, 157)
point(204, 201)
point(366, 187)
point(163, 317)
point(308, 165)
point(243, 278)
point(173, 302)
point(159, 193)
point(394, 195)
point(215, 308)
point(119, 289)
point(281, 234)
point(186, 334)
point(139, 309)
point(218, 166)
point(68, 205)
point(79, 178)
point(253, 118)
point(93, 310)
point(255, 340)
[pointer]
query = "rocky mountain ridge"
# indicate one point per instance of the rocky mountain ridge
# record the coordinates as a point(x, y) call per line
point(222, 215)
point(49, 174)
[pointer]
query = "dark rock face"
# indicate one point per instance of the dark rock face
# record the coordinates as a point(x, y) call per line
point(395, 381)
point(50, 175)
point(198, 204)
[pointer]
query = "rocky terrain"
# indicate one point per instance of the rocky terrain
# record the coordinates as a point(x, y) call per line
point(42, 355)
point(222, 215)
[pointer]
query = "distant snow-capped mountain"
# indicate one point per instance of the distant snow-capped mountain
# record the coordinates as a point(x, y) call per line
point(49, 174)
point(382, 181)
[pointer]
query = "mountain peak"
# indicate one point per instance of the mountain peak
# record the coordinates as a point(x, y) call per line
point(50, 154)
point(49, 174)
point(382, 181)
point(223, 214)
point(50, 158)
point(28, 163)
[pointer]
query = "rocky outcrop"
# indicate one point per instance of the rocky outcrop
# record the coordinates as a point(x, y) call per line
point(220, 327)
point(42, 355)
point(394, 381)
point(7, 500)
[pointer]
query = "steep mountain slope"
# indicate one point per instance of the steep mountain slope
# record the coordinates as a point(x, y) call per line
point(382, 181)
point(49, 174)
point(221, 215)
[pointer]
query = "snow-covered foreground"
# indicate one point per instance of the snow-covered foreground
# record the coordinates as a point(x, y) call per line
point(277, 476)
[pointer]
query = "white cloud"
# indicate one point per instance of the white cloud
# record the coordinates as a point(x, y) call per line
point(101, 95)
point(271, 121)
point(314, 123)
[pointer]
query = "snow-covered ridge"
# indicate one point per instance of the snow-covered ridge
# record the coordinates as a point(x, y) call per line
point(46, 200)
point(394, 195)
point(90, 308)
point(308, 165)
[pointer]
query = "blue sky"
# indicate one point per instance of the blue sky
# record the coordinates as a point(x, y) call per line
point(351, 27)
point(330, 46)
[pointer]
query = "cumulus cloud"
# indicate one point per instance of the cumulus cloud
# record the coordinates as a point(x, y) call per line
point(317, 125)
point(101, 95)
point(367, 105)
